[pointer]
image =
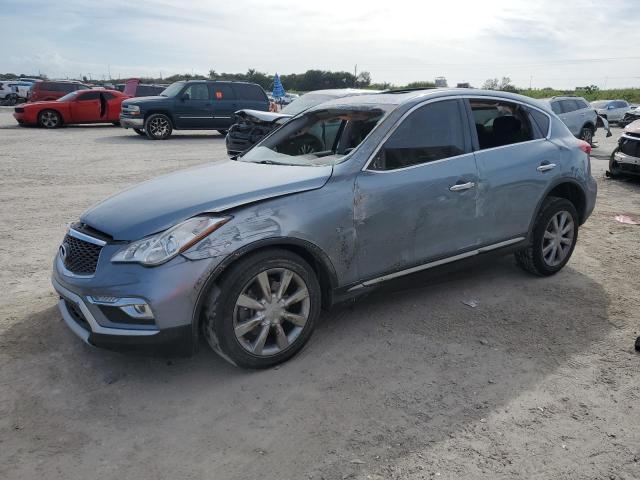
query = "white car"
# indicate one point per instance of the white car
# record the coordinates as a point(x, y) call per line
point(9, 92)
point(612, 110)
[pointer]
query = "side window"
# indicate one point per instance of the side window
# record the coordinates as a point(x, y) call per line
point(621, 104)
point(197, 91)
point(81, 87)
point(582, 104)
point(540, 122)
point(108, 95)
point(569, 106)
point(250, 92)
point(222, 91)
point(500, 123)
point(89, 96)
point(557, 109)
point(433, 132)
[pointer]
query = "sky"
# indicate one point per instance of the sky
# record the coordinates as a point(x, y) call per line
point(561, 44)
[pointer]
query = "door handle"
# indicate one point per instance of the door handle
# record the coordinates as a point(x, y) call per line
point(546, 166)
point(458, 187)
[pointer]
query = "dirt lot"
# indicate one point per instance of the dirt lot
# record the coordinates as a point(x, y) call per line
point(540, 380)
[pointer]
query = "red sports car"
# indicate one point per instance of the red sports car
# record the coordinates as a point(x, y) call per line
point(81, 106)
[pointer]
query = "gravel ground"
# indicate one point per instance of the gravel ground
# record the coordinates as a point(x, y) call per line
point(539, 380)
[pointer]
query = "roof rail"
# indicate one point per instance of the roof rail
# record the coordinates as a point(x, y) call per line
point(406, 90)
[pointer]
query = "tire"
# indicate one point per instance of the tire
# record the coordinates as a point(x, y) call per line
point(140, 132)
point(538, 258)
point(281, 337)
point(49, 119)
point(614, 169)
point(223, 132)
point(158, 126)
point(117, 124)
point(11, 100)
point(586, 134)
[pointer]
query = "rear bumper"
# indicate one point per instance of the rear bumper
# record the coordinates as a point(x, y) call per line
point(130, 122)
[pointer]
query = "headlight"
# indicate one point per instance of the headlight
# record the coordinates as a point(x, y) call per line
point(163, 246)
point(132, 109)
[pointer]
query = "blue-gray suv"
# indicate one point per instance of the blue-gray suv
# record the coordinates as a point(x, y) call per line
point(246, 252)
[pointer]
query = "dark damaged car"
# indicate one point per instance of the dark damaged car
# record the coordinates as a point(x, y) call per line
point(251, 126)
point(246, 252)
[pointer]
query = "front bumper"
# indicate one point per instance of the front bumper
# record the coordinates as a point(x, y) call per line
point(626, 163)
point(131, 122)
point(95, 307)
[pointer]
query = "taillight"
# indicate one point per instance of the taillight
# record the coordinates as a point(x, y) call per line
point(585, 147)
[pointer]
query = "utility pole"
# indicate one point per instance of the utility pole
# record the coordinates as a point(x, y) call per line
point(355, 75)
point(530, 81)
point(109, 71)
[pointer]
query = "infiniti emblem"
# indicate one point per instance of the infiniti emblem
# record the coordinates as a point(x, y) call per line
point(63, 251)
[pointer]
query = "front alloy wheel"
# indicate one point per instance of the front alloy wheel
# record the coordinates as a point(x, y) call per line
point(49, 119)
point(271, 312)
point(158, 127)
point(263, 310)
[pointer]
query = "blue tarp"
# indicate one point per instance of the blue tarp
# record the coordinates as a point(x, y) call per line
point(278, 89)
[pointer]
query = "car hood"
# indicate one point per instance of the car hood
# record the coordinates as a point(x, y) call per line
point(136, 100)
point(633, 127)
point(158, 204)
point(258, 116)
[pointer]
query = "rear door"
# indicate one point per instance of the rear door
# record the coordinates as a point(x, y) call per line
point(570, 115)
point(223, 104)
point(515, 163)
point(416, 201)
point(86, 107)
point(193, 107)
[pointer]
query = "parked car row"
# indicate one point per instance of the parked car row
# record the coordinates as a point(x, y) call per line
point(625, 159)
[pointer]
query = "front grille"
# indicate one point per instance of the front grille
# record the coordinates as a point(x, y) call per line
point(630, 147)
point(81, 257)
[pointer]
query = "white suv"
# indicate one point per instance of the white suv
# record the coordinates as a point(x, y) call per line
point(612, 110)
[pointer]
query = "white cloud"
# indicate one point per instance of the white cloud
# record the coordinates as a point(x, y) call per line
point(396, 41)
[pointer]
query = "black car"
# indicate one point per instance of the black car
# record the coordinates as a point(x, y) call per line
point(251, 125)
point(191, 105)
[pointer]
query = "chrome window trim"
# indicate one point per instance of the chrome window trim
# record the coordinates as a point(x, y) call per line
point(452, 97)
point(86, 238)
point(425, 266)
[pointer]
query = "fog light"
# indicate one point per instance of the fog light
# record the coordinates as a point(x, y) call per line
point(139, 310)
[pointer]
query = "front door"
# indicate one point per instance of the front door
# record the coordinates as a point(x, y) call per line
point(193, 107)
point(515, 164)
point(86, 107)
point(416, 201)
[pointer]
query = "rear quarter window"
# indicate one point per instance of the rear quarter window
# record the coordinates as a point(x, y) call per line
point(540, 122)
point(250, 92)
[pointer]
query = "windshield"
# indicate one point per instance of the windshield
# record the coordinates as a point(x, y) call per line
point(172, 90)
point(68, 97)
point(305, 102)
point(321, 137)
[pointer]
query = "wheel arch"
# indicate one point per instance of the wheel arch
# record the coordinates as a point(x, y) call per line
point(589, 124)
point(63, 120)
point(311, 253)
point(163, 112)
point(569, 189)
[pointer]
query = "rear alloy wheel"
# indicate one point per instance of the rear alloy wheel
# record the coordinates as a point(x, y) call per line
point(586, 134)
point(264, 309)
point(139, 131)
point(49, 119)
point(158, 126)
point(554, 237)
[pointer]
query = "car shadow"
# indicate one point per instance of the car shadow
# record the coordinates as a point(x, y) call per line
point(404, 366)
point(175, 137)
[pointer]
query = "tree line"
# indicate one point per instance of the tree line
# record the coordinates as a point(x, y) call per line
point(325, 79)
